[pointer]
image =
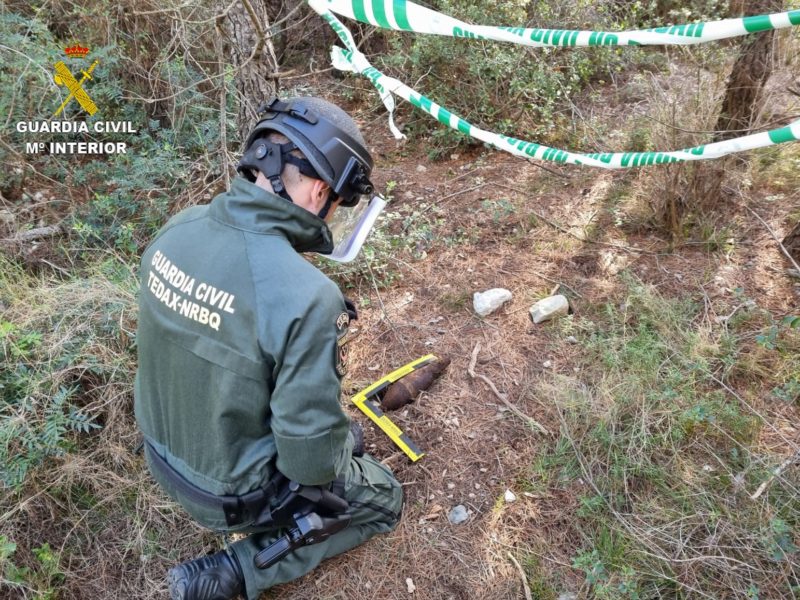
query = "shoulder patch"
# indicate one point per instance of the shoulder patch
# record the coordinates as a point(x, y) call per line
point(342, 323)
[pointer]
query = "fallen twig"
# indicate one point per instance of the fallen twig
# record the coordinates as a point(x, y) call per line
point(34, 234)
point(548, 169)
point(775, 237)
point(775, 474)
point(459, 192)
point(526, 589)
point(440, 201)
point(471, 371)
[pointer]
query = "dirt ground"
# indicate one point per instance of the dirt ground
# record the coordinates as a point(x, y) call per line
point(476, 449)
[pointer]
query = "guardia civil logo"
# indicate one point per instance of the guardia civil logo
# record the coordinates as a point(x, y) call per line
point(73, 109)
point(64, 77)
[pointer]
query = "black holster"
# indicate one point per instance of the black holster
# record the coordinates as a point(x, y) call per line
point(311, 514)
point(315, 513)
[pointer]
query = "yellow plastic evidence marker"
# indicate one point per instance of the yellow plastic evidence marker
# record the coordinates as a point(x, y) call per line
point(364, 401)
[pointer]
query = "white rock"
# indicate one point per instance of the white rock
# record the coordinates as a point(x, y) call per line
point(410, 584)
point(510, 497)
point(458, 514)
point(548, 308)
point(547, 364)
point(572, 340)
point(421, 168)
point(568, 596)
point(485, 303)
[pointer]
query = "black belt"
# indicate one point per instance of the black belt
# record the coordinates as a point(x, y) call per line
point(249, 507)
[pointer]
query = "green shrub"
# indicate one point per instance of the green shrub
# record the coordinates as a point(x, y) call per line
point(43, 579)
point(659, 448)
point(510, 89)
point(62, 341)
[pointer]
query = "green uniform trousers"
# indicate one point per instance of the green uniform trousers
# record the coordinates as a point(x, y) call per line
point(376, 501)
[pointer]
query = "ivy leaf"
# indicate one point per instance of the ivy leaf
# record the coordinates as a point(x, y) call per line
point(7, 548)
point(792, 322)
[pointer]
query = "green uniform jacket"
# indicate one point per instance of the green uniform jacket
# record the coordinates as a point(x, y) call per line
point(237, 343)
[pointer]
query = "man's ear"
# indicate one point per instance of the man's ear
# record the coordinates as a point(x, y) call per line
point(320, 192)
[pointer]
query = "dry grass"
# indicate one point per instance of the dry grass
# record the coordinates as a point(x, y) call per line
point(110, 531)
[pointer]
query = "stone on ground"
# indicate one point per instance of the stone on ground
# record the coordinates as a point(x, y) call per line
point(549, 308)
point(485, 303)
point(458, 514)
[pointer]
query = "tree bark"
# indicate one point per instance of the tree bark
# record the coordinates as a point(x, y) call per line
point(792, 242)
point(252, 55)
point(741, 106)
point(744, 96)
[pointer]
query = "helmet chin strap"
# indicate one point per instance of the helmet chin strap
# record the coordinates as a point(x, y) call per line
point(280, 189)
point(328, 203)
point(277, 186)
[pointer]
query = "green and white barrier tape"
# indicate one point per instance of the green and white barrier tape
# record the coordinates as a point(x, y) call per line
point(407, 16)
point(353, 60)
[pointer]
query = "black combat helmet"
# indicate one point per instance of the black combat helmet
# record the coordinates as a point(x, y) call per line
point(334, 148)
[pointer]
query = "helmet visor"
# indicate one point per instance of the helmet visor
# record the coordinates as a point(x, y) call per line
point(350, 228)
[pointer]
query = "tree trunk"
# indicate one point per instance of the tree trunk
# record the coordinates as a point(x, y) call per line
point(741, 106)
point(753, 67)
point(252, 55)
point(792, 242)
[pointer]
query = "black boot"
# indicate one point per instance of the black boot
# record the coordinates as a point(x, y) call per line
point(213, 577)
